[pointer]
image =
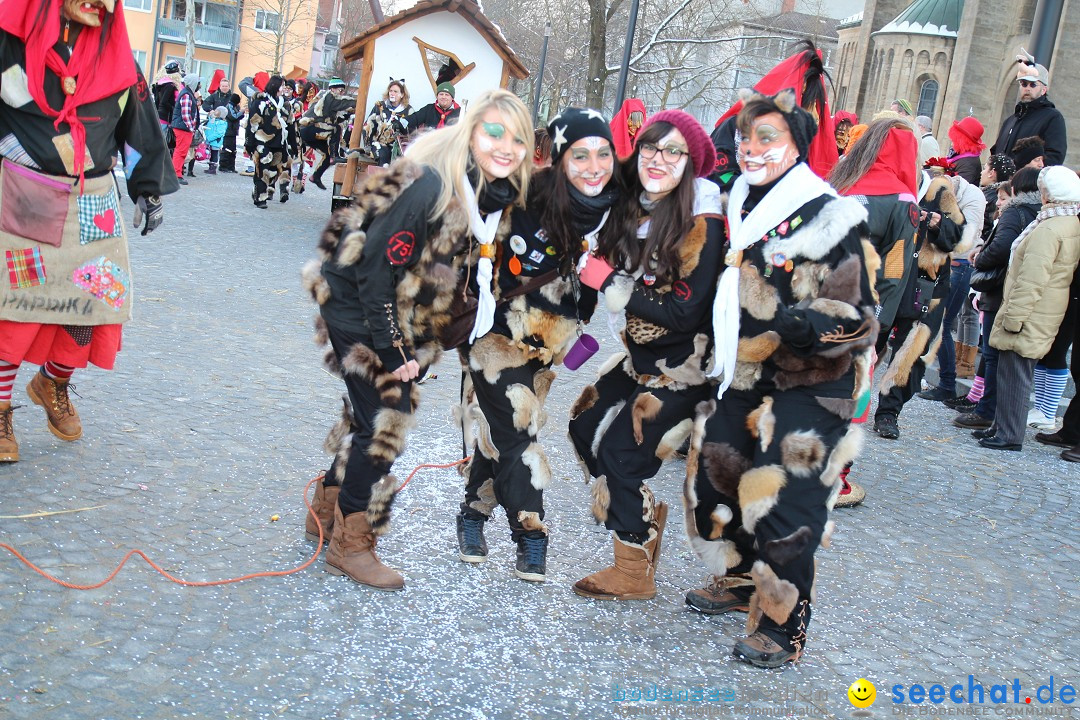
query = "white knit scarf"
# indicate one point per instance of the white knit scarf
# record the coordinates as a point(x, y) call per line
point(1048, 211)
point(799, 186)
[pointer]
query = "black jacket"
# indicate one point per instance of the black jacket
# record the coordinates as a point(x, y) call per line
point(1016, 216)
point(215, 99)
point(969, 168)
point(1037, 118)
point(429, 117)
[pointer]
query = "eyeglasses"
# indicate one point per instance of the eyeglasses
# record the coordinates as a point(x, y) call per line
point(1029, 83)
point(669, 154)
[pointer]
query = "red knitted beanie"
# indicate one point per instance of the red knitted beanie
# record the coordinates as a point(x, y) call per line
point(702, 152)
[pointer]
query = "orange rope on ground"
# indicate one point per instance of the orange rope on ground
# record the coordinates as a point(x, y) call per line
point(209, 583)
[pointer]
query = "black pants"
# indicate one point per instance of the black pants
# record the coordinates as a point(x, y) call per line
point(321, 148)
point(763, 476)
point(375, 433)
point(228, 153)
point(508, 467)
point(623, 432)
point(893, 402)
point(269, 167)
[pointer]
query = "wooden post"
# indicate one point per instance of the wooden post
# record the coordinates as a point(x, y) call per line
point(366, 70)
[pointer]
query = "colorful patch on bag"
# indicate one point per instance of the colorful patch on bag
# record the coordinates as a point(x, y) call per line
point(400, 246)
point(99, 218)
point(25, 268)
point(681, 291)
point(105, 280)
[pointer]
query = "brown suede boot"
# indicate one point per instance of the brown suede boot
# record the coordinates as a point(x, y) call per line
point(53, 396)
point(722, 595)
point(965, 360)
point(323, 503)
point(352, 553)
point(9, 449)
point(633, 576)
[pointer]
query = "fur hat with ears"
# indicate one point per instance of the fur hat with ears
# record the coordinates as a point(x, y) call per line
point(801, 124)
point(1060, 184)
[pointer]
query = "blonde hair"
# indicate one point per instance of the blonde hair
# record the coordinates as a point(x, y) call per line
point(402, 88)
point(447, 151)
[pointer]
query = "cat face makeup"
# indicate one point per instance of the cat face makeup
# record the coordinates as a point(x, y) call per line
point(589, 163)
point(498, 152)
point(767, 151)
point(657, 173)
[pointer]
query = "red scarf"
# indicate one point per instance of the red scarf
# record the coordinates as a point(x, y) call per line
point(38, 26)
point(444, 113)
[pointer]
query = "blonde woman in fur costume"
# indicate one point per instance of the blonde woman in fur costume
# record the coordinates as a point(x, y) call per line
point(794, 327)
point(510, 367)
point(390, 264)
point(666, 240)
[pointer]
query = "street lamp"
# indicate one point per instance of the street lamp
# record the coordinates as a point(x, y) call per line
point(540, 74)
point(631, 27)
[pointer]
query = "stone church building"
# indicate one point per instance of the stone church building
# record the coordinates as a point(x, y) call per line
point(951, 59)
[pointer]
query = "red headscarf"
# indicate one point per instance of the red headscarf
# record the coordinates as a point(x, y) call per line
point(624, 144)
point(791, 73)
point(894, 171)
point(37, 24)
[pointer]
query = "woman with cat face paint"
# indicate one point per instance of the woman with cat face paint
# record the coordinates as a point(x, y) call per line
point(510, 367)
point(794, 328)
point(389, 266)
point(658, 259)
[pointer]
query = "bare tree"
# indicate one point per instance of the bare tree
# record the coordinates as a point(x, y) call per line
point(283, 29)
point(189, 35)
point(355, 17)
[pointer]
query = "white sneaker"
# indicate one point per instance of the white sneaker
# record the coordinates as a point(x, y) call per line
point(1037, 420)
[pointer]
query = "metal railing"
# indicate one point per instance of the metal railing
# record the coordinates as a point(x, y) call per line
point(205, 35)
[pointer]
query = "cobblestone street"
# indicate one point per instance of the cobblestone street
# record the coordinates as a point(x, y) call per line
point(962, 561)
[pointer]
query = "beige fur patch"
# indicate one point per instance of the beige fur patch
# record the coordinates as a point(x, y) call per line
point(806, 279)
point(756, 296)
point(759, 489)
point(777, 598)
point(531, 522)
point(312, 280)
point(845, 451)
point(494, 353)
point(673, 439)
point(758, 348)
point(904, 358)
point(802, 452)
point(534, 458)
point(484, 443)
point(746, 375)
point(526, 408)
point(826, 535)
point(605, 423)
point(720, 517)
point(601, 499)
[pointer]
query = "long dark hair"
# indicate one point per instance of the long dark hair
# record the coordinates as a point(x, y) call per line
point(273, 85)
point(550, 190)
point(671, 219)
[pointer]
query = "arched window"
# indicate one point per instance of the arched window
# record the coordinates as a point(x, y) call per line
point(928, 97)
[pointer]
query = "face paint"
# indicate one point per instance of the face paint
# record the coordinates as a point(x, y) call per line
point(589, 163)
point(87, 12)
point(658, 176)
point(766, 153)
point(497, 151)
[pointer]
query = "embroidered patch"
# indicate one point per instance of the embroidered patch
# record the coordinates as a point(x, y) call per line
point(81, 334)
point(25, 268)
point(399, 248)
point(681, 291)
point(105, 280)
point(99, 218)
point(913, 214)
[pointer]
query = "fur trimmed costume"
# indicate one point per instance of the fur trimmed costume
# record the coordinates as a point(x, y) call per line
point(916, 331)
point(765, 459)
point(384, 289)
point(640, 410)
point(509, 371)
point(265, 142)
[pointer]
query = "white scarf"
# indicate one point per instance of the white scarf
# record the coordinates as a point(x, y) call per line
point(484, 229)
point(1048, 211)
point(798, 187)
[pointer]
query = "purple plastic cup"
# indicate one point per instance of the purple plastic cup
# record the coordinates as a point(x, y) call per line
point(585, 347)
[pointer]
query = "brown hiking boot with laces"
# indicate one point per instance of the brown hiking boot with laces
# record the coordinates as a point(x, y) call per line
point(53, 396)
point(9, 449)
point(722, 595)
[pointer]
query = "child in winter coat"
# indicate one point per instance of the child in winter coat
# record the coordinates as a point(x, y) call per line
point(214, 133)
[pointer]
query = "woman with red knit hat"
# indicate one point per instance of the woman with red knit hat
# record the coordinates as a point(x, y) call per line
point(63, 125)
point(967, 144)
point(657, 259)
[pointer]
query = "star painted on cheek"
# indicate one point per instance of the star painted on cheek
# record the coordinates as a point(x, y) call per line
point(560, 138)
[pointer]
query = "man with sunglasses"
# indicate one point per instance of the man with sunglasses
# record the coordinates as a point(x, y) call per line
point(1035, 115)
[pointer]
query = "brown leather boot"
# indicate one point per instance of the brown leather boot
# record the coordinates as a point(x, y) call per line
point(53, 396)
point(323, 503)
point(352, 553)
point(722, 595)
point(9, 449)
point(633, 576)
